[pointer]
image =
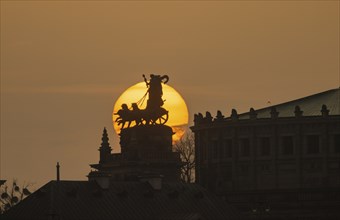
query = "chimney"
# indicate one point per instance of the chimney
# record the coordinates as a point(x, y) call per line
point(58, 172)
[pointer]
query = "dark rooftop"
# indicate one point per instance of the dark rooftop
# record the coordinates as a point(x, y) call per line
point(310, 105)
point(122, 200)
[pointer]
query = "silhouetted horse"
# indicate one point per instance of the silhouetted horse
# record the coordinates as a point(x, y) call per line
point(126, 115)
point(148, 116)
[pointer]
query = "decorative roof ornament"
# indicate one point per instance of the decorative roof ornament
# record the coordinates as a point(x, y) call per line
point(219, 116)
point(105, 139)
point(298, 112)
point(104, 149)
point(252, 113)
point(198, 118)
point(234, 115)
point(324, 111)
point(208, 117)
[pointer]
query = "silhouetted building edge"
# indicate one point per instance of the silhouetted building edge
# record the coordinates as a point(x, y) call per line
point(254, 159)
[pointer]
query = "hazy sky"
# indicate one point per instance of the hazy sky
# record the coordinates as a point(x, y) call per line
point(63, 65)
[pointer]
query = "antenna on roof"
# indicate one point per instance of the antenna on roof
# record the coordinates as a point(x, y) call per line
point(339, 87)
point(58, 172)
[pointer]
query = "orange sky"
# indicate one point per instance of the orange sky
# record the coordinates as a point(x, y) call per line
point(63, 65)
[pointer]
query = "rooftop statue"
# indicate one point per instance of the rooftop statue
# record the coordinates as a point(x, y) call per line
point(155, 90)
point(153, 113)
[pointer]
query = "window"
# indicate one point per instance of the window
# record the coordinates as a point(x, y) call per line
point(313, 144)
point(228, 148)
point(287, 145)
point(244, 147)
point(336, 144)
point(265, 146)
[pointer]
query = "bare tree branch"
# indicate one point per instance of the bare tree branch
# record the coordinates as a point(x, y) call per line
point(186, 148)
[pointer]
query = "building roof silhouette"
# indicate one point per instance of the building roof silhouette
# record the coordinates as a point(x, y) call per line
point(310, 105)
point(278, 162)
point(122, 200)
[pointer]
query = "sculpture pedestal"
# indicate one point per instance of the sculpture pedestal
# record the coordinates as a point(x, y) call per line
point(146, 140)
point(145, 150)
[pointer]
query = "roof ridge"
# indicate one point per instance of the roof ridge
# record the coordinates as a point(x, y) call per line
point(291, 101)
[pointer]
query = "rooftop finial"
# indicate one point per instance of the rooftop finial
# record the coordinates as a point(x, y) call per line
point(234, 115)
point(105, 149)
point(208, 117)
point(105, 139)
point(58, 172)
point(219, 116)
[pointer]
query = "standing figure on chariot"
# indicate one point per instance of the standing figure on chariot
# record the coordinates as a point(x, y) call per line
point(155, 100)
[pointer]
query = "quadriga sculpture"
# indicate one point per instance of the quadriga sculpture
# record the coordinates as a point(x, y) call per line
point(153, 113)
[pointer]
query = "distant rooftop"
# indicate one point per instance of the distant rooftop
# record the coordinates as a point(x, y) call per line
point(122, 200)
point(310, 105)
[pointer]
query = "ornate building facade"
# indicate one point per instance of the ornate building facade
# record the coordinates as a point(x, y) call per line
point(275, 161)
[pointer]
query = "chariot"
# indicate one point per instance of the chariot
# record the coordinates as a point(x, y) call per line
point(153, 114)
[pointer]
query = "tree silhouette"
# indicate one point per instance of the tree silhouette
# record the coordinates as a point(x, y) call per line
point(12, 195)
point(186, 148)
